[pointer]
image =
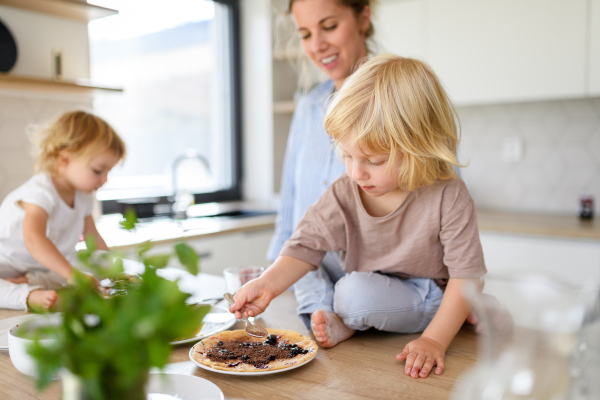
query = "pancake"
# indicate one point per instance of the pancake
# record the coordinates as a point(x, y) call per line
point(237, 351)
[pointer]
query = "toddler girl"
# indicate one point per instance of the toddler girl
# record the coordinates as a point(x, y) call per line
point(402, 222)
point(42, 220)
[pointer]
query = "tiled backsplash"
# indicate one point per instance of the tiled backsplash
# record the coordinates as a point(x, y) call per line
point(17, 111)
point(560, 159)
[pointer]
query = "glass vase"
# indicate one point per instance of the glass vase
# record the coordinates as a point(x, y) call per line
point(74, 388)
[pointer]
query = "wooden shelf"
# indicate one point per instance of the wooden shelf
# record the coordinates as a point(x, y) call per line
point(284, 107)
point(74, 9)
point(8, 81)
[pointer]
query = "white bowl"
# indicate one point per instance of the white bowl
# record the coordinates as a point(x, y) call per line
point(17, 344)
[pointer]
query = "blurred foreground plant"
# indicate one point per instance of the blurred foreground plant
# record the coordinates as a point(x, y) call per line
point(110, 342)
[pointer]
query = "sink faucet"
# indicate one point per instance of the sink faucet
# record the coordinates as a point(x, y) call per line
point(183, 199)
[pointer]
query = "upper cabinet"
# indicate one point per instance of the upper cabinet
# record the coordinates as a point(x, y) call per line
point(594, 69)
point(488, 51)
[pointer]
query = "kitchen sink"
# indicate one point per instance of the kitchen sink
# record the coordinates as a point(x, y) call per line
point(237, 214)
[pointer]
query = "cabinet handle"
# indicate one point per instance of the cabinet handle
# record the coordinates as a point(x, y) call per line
point(207, 254)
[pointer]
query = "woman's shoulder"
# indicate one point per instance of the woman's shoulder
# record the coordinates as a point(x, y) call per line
point(319, 94)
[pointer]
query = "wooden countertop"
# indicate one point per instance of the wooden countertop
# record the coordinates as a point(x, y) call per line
point(363, 367)
point(539, 224)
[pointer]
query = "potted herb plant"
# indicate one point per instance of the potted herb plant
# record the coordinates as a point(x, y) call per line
point(106, 344)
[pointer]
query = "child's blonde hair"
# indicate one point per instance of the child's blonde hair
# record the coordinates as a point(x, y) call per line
point(79, 133)
point(393, 104)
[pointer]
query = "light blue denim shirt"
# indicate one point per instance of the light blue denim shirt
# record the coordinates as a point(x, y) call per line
point(310, 165)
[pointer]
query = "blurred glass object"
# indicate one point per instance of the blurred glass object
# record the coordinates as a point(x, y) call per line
point(538, 341)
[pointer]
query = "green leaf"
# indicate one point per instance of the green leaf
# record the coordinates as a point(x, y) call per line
point(90, 243)
point(187, 257)
point(130, 220)
point(158, 261)
point(144, 247)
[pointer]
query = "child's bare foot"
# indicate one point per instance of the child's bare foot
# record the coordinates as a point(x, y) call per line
point(329, 329)
point(41, 299)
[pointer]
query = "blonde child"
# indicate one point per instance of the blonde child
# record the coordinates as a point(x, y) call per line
point(403, 223)
point(42, 220)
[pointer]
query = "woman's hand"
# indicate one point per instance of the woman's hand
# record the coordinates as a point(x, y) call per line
point(252, 298)
point(421, 356)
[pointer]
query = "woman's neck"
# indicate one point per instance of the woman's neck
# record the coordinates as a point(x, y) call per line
point(65, 190)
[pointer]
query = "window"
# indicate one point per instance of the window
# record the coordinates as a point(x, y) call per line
point(178, 65)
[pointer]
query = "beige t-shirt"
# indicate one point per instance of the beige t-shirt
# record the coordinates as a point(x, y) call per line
point(433, 234)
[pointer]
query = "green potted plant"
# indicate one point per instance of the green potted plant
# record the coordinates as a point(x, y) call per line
point(106, 344)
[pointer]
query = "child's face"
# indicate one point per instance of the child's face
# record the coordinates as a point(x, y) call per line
point(369, 170)
point(332, 35)
point(88, 176)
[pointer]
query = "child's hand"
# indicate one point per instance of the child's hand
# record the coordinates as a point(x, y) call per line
point(92, 278)
point(251, 299)
point(421, 356)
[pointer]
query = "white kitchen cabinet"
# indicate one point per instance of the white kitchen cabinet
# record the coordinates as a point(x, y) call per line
point(568, 260)
point(400, 27)
point(227, 250)
point(510, 50)
point(594, 35)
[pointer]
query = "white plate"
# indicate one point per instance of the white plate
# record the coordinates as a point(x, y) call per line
point(217, 320)
point(220, 371)
point(6, 324)
point(182, 387)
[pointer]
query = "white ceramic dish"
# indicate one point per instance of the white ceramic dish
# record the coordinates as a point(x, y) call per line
point(6, 324)
point(182, 387)
point(217, 320)
point(18, 344)
point(220, 371)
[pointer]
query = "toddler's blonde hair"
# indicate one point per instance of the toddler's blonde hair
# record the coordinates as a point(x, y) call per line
point(79, 133)
point(394, 104)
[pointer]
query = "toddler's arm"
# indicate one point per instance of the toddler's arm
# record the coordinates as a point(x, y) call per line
point(254, 297)
point(430, 349)
point(38, 244)
point(90, 229)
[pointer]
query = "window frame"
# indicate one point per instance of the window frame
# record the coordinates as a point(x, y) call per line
point(235, 192)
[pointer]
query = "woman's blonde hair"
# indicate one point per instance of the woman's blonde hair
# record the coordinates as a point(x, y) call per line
point(288, 43)
point(397, 105)
point(79, 133)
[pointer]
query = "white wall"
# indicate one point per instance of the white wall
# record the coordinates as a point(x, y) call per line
point(36, 35)
point(257, 92)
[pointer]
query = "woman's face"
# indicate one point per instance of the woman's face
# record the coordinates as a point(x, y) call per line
point(333, 37)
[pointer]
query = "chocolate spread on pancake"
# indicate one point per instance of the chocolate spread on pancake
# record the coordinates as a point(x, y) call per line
point(254, 353)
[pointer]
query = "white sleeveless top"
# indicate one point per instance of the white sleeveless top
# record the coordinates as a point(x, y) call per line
point(64, 228)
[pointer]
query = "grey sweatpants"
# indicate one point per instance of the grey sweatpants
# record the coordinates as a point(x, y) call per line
point(368, 299)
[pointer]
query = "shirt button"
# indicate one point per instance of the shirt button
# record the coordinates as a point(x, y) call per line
point(325, 183)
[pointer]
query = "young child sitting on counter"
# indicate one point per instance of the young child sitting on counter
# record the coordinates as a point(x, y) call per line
point(402, 222)
point(42, 220)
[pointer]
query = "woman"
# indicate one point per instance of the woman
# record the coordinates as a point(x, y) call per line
point(334, 37)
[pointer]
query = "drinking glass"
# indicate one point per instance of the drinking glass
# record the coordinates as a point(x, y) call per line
point(235, 277)
point(532, 327)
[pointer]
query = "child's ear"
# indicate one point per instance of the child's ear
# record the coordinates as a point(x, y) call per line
point(64, 158)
